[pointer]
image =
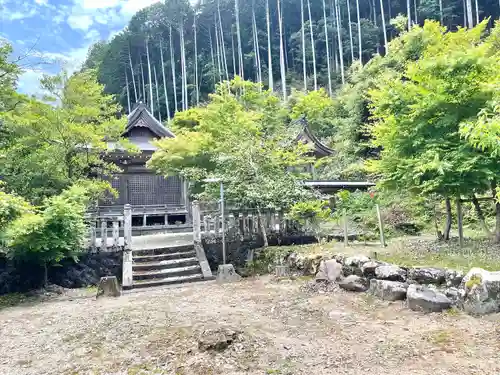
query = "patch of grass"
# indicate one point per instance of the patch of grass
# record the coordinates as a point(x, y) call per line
point(474, 280)
point(460, 260)
point(453, 312)
point(91, 289)
point(14, 299)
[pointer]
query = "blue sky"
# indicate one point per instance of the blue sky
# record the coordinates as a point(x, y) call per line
point(57, 33)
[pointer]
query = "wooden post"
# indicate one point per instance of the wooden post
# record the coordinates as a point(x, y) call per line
point(346, 238)
point(116, 233)
point(460, 222)
point(196, 222)
point(93, 236)
point(127, 247)
point(380, 226)
point(104, 234)
point(127, 227)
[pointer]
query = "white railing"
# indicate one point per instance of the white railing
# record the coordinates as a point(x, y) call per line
point(110, 232)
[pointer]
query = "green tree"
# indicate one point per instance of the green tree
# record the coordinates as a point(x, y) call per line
point(54, 145)
point(419, 113)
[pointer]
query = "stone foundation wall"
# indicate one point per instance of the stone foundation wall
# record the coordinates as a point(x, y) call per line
point(427, 289)
point(238, 249)
point(23, 277)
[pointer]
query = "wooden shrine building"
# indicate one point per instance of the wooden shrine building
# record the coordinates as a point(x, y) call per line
point(157, 202)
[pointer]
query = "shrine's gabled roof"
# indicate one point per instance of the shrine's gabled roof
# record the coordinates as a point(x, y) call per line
point(140, 117)
point(307, 136)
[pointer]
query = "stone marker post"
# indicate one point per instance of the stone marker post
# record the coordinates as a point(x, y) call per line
point(198, 246)
point(127, 247)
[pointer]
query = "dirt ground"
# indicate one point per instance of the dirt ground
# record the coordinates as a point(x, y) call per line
point(285, 329)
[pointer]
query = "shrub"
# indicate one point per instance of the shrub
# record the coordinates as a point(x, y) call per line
point(56, 231)
point(311, 215)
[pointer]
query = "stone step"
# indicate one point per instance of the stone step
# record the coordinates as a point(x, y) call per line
point(168, 281)
point(166, 272)
point(162, 257)
point(164, 250)
point(165, 264)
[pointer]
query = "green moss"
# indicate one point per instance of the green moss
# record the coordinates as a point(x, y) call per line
point(474, 280)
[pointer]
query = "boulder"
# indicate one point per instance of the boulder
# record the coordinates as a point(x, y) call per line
point(329, 270)
point(307, 265)
point(456, 295)
point(427, 275)
point(453, 278)
point(217, 339)
point(227, 274)
point(354, 283)
point(388, 290)
point(390, 272)
point(108, 287)
point(482, 292)
point(422, 298)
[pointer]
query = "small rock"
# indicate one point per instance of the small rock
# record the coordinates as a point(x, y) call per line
point(453, 278)
point(482, 292)
point(329, 270)
point(217, 339)
point(388, 290)
point(427, 275)
point(354, 283)
point(108, 287)
point(356, 261)
point(422, 298)
point(368, 268)
point(390, 272)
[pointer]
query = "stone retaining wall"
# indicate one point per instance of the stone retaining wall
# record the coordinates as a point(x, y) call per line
point(22, 277)
point(427, 289)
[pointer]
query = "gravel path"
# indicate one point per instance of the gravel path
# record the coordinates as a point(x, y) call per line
point(284, 330)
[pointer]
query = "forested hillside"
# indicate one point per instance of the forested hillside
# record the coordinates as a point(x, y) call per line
point(172, 54)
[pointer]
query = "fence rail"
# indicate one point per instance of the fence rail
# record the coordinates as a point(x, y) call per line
point(110, 232)
point(246, 221)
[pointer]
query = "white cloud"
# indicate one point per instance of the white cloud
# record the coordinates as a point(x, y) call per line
point(42, 2)
point(80, 22)
point(29, 81)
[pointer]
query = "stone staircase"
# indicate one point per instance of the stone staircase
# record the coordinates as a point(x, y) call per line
point(171, 264)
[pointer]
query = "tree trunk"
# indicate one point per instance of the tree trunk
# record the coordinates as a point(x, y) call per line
point(303, 34)
point(185, 103)
point(144, 97)
point(172, 64)
point(477, 12)
point(408, 13)
point(350, 29)
point(341, 52)
point(218, 51)
point(223, 45)
point(495, 192)
point(330, 90)
point(128, 90)
point(45, 275)
point(164, 81)
point(282, 54)
point(150, 79)
point(359, 34)
point(447, 228)
point(439, 235)
point(313, 47)
point(257, 48)
point(269, 52)
point(133, 75)
point(233, 51)
point(263, 229)
point(196, 83)
point(470, 19)
point(465, 13)
point(386, 46)
point(238, 38)
point(212, 53)
point(416, 11)
point(157, 94)
point(480, 215)
point(441, 12)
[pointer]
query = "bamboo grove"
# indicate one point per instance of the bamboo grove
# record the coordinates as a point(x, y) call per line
point(173, 53)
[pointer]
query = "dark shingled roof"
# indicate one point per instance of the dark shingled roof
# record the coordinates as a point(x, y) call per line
point(140, 117)
point(306, 135)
